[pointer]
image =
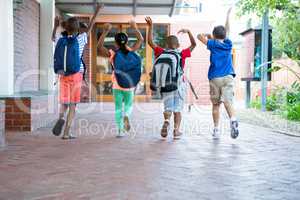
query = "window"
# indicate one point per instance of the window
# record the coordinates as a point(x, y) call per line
point(188, 7)
point(160, 32)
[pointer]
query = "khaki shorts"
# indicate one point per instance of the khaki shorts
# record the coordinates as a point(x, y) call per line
point(222, 89)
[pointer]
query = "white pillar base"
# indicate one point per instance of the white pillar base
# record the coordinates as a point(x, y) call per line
point(47, 77)
point(7, 48)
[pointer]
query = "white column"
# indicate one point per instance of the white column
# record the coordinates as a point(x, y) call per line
point(47, 14)
point(7, 48)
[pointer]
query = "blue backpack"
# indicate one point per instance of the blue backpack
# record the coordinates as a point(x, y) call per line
point(127, 69)
point(66, 55)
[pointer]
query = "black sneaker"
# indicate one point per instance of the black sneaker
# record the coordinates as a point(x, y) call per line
point(57, 129)
point(165, 129)
point(234, 129)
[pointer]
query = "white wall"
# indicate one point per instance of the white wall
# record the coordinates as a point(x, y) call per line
point(47, 77)
point(7, 48)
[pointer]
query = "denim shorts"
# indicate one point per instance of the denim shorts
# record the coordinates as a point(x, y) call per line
point(174, 101)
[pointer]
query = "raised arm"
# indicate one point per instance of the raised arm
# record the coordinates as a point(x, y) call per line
point(92, 21)
point(103, 50)
point(203, 38)
point(139, 36)
point(192, 39)
point(227, 23)
point(56, 25)
point(150, 33)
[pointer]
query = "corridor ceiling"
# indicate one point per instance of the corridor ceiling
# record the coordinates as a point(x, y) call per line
point(119, 7)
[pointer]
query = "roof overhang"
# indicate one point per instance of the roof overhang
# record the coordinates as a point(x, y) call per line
point(119, 7)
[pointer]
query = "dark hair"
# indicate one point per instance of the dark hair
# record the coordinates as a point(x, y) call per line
point(72, 25)
point(63, 24)
point(83, 25)
point(121, 40)
point(172, 40)
point(219, 32)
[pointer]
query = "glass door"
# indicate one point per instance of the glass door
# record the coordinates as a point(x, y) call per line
point(102, 70)
point(142, 91)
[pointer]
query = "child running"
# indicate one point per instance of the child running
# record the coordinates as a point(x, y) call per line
point(174, 100)
point(70, 69)
point(221, 76)
point(126, 73)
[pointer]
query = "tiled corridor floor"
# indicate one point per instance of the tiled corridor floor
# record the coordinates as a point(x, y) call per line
point(261, 164)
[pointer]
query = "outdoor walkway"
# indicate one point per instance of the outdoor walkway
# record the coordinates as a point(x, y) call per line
point(261, 164)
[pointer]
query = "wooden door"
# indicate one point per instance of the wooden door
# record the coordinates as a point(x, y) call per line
point(101, 68)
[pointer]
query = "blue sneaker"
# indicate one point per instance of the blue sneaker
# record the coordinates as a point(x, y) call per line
point(234, 129)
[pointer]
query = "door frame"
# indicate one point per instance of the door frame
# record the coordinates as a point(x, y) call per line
point(107, 77)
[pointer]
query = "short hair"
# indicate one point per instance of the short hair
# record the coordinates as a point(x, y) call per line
point(172, 39)
point(219, 32)
point(72, 24)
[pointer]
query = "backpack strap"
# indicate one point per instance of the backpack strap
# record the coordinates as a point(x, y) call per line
point(177, 53)
point(84, 68)
point(111, 58)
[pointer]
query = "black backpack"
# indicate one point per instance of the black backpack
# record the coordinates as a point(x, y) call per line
point(167, 72)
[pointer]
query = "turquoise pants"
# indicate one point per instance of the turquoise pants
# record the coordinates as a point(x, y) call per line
point(121, 97)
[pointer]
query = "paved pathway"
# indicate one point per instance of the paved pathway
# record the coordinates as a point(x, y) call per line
point(261, 164)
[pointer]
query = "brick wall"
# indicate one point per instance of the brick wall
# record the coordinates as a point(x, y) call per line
point(247, 55)
point(2, 124)
point(17, 114)
point(244, 60)
point(244, 69)
point(30, 113)
point(26, 44)
point(197, 66)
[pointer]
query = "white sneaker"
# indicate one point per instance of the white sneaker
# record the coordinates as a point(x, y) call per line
point(121, 133)
point(216, 133)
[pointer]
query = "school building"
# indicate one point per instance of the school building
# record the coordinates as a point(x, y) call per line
point(27, 86)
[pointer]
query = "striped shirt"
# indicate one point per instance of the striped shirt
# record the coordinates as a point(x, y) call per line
point(82, 41)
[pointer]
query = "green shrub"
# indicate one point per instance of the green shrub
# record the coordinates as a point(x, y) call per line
point(256, 103)
point(272, 103)
point(293, 112)
point(284, 101)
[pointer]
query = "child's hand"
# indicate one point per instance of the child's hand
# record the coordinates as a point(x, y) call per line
point(98, 7)
point(133, 24)
point(107, 27)
point(209, 36)
point(184, 31)
point(57, 21)
point(149, 21)
point(200, 36)
point(203, 38)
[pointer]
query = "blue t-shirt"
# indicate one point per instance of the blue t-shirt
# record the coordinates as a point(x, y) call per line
point(220, 59)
